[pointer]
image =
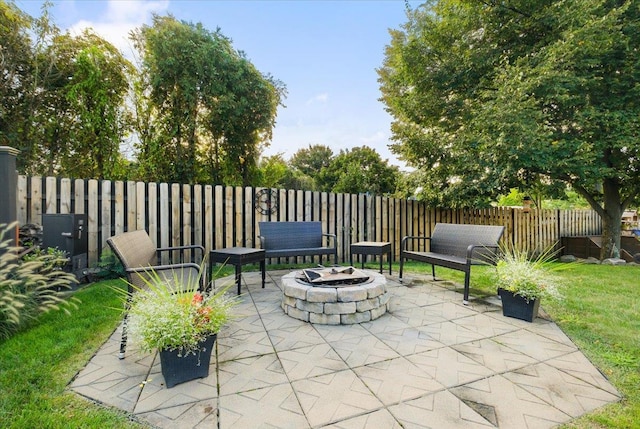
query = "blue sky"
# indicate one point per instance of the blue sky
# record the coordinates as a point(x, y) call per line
point(325, 52)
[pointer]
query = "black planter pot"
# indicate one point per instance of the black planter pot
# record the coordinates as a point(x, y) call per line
point(176, 369)
point(517, 307)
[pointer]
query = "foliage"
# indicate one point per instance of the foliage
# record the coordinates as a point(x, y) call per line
point(29, 287)
point(205, 108)
point(513, 199)
point(16, 66)
point(274, 172)
point(110, 266)
point(359, 170)
point(64, 101)
point(96, 95)
point(312, 160)
point(161, 316)
point(531, 278)
point(487, 96)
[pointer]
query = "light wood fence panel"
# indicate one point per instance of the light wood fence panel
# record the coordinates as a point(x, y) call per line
point(223, 216)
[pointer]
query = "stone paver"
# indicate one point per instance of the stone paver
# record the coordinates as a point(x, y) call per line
point(430, 362)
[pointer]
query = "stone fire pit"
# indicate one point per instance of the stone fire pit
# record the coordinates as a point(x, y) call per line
point(332, 300)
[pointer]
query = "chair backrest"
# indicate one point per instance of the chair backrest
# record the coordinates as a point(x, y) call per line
point(454, 239)
point(134, 250)
point(291, 235)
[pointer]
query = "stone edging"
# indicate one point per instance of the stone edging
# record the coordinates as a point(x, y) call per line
point(335, 306)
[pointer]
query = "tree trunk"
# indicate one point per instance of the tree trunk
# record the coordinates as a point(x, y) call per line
point(611, 220)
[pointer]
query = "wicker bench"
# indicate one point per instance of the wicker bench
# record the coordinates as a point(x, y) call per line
point(285, 239)
point(456, 247)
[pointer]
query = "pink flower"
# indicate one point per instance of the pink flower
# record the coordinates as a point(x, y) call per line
point(197, 298)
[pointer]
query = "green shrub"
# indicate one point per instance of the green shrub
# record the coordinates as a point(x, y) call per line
point(109, 266)
point(29, 285)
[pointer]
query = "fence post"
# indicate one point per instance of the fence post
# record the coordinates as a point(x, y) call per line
point(9, 181)
point(8, 185)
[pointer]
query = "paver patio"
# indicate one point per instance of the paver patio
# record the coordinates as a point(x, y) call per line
point(430, 362)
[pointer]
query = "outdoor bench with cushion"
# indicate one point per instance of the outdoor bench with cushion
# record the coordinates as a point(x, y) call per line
point(288, 239)
point(455, 246)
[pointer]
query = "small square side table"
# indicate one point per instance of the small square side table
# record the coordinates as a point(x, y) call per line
point(372, 248)
point(237, 256)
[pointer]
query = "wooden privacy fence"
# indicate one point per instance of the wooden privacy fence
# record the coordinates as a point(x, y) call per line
point(225, 216)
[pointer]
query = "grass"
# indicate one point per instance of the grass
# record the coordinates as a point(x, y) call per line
point(600, 313)
point(36, 365)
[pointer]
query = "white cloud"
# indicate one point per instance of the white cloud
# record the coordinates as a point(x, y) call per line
point(320, 98)
point(120, 18)
point(378, 137)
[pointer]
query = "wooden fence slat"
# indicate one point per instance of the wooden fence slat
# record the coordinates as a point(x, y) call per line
point(21, 195)
point(119, 209)
point(92, 220)
point(65, 196)
point(105, 227)
point(79, 197)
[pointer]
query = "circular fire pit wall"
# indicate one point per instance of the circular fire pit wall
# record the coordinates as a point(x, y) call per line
point(335, 304)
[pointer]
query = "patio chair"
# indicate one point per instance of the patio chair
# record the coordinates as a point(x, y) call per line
point(140, 257)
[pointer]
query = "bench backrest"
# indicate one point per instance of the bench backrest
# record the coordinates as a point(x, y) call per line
point(290, 235)
point(454, 239)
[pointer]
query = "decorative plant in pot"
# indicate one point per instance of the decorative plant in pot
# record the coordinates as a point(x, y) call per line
point(523, 281)
point(181, 323)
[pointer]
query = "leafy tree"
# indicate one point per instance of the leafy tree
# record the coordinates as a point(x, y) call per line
point(492, 95)
point(205, 109)
point(63, 97)
point(275, 172)
point(359, 170)
point(97, 76)
point(313, 159)
point(16, 69)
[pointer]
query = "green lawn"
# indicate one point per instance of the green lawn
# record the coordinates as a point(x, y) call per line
point(600, 312)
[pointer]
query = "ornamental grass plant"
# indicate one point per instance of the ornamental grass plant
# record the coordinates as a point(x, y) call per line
point(531, 277)
point(166, 317)
point(30, 283)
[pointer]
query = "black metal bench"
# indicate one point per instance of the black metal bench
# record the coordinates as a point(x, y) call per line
point(285, 239)
point(455, 246)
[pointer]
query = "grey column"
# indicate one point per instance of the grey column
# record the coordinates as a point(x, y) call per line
point(8, 184)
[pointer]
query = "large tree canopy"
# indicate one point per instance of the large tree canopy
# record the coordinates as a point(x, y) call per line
point(206, 108)
point(490, 95)
point(62, 97)
point(359, 170)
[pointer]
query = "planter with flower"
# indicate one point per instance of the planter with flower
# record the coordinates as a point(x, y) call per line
point(523, 281)
point(182, 323)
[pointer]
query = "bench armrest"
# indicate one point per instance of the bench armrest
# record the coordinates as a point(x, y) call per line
point(263, 241)
point(329, 236)
point(403, 243)
point(191, 246)
point(486, 259)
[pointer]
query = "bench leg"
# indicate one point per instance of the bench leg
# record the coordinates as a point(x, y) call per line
point(239, 276)
point(433, 272)
point(263, 269)
point(465, 299)
point(401, 264)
